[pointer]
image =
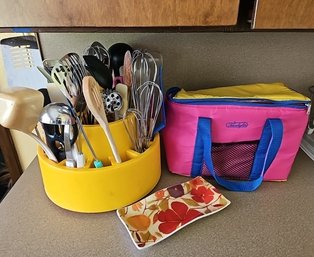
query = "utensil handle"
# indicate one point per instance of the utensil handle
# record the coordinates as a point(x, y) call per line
point(112, 144)
point(79, 123)
point(68, 148)
point(47, 150)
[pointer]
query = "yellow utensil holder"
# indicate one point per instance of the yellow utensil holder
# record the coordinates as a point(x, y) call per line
point(93, 190)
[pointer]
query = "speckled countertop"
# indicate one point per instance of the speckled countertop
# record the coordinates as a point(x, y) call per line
point(276, 220)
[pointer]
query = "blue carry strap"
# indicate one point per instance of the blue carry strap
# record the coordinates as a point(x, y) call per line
point(266, 151)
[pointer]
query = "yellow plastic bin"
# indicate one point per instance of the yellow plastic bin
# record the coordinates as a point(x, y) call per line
point(92, 190)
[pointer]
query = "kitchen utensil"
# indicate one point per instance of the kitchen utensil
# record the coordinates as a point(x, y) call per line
point(98, 50)
point(68, 79)
point(70, 162)
point(57, 120)
point(151, 99)
point(95, 104)
point(135, 127)
point(61, 81)
point(55, 94)
point(127, 69)
point(78, 71)
point(20, 109)
point(116, 53)
point(144, 68)
point(123, 91)
point(112, 102)
point(99, 71)
point(147, 66)
point(142, 127)
point(45, 93)
point(48, 64)
point(73, 62)
point(45, 73)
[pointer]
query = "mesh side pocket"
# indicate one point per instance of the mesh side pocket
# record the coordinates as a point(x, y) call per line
point(232, 160)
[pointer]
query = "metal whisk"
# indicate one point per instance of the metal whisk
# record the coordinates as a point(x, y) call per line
point(150, 99)
point(144, 68)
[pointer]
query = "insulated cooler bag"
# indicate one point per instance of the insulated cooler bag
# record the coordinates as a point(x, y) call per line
point(239, 135)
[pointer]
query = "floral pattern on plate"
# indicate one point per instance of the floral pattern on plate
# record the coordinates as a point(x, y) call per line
point(166, 211)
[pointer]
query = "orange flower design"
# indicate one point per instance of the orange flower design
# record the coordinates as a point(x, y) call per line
point(160, 194)
point(137, 206)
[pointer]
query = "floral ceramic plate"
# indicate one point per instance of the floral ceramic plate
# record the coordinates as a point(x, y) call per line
point(166, 211)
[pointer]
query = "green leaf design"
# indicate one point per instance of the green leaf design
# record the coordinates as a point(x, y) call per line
point(222, 201)
point(153, 207)
point(122, 212)
point(164, 204)
point(187, 187)
point(158, 234)
point(145, 236)
point(190, 202)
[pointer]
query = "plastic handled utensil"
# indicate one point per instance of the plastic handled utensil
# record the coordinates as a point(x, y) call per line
point(127, 69)
point(95, 104)
point(117, 52)
point(99, 71)
point(124, 93)
point(20, 109)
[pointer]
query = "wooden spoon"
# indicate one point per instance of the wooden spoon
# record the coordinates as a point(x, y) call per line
point(96, 106)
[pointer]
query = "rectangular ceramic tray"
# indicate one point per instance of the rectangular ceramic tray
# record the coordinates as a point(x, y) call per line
point(166, 211)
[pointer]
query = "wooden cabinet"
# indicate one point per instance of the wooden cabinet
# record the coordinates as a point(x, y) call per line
point(283, 14)
point(118, 13)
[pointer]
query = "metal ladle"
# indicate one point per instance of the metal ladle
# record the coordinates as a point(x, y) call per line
point(59, 114)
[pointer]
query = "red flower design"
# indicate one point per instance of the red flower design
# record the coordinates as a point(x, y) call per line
point(196, 182)
point(172, 218)
point(202, 195)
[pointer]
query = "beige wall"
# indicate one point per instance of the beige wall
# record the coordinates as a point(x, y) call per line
point(194, 60)
point(199, 60)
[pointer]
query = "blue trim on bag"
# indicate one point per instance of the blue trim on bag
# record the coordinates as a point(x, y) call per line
point(161, 123)
point(266, 152)
point(298, 104)
point(243, 102)
point(268, 147)
point(198, 156)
